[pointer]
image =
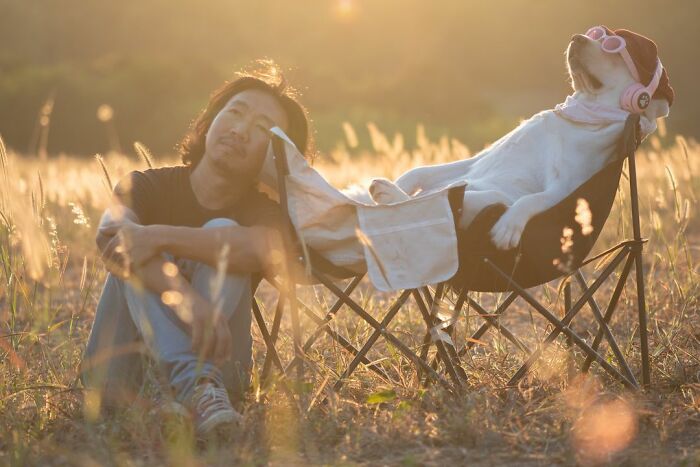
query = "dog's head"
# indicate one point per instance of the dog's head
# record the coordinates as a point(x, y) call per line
point(604, 76)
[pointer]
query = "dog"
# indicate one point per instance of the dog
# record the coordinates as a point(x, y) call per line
point(548, 156)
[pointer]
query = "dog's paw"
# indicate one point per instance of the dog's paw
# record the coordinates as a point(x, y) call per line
point(508, 230)
point(384, 191)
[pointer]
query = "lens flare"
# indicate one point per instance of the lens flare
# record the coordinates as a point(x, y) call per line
point(105, 113)
point(345, 9)
point(170, 269)
point(603, 430)
point(171, 297)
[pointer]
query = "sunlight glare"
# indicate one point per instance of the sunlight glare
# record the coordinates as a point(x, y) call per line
point(603, 430)
point(345, 9)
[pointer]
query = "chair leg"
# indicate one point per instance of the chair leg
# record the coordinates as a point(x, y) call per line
point(442, 351)
point(271, 339)
point(493, 321)
point(425, 347)
point(296, 334)
point(382, 330)
point(608, 334)
point(641, 299)
point(271, 354)
point(562, 325)
point(276, 321)
point(642, 311)
point(575, 308)
point(434, 305)
point(331, 314)
point(370, 342)
point(324, 327)
point(571, 362)
point(612, 305)
point(450, 330)
point(271, 350)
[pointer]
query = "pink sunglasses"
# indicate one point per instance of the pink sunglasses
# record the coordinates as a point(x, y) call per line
point(613, 44)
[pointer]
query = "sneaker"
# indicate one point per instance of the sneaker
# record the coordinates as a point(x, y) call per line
point(212, 409)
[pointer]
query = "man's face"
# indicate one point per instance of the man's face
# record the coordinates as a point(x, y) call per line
point(237, 140)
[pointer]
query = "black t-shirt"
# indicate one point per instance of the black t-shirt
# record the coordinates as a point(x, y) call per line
point(164, 196)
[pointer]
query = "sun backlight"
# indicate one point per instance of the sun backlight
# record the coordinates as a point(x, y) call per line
point(345, 9)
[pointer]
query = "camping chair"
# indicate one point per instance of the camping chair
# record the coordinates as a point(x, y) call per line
point(538, 260)
point(321, 271)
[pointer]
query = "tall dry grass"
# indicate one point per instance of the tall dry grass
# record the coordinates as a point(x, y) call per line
point(51, 279)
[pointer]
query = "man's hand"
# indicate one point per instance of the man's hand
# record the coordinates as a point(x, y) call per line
point(109, 245)
point(211, 337)
point(130, 245)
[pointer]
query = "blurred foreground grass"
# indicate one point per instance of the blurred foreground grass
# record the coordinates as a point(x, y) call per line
point(51, 278)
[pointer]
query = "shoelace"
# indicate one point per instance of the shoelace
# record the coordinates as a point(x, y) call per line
point(211, 399)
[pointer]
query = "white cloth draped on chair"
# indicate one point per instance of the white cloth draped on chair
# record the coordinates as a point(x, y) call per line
point(402, 245)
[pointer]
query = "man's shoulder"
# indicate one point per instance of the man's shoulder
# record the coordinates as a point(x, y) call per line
point(157, 176)
point(158, 173)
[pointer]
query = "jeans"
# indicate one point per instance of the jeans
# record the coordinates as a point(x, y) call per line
point(127, 316)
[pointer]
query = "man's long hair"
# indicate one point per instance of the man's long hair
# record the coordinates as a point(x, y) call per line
point(265, 76)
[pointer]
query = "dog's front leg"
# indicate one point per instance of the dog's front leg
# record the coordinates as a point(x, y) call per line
point(509, 228)
point(477, 201)
point(384, 191)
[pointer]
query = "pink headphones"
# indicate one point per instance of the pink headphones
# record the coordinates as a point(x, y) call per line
point(637, 97)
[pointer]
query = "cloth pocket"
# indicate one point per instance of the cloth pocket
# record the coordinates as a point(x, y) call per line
point(409, 244)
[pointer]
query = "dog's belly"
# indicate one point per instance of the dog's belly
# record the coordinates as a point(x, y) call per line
point(513, 173)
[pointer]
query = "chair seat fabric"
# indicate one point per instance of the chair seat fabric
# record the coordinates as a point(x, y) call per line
point(539, 257)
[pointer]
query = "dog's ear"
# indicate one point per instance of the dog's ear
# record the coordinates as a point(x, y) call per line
point(658, 108)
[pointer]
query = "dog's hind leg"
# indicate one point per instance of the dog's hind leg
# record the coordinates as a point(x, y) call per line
point(433, 176)
point(476, 201)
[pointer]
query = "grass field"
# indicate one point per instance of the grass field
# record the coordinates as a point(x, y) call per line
point(51, 278)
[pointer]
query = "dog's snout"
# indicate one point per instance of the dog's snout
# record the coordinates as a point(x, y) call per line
point(578, 38)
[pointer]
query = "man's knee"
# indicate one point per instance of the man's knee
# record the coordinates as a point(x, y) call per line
point(219, 222)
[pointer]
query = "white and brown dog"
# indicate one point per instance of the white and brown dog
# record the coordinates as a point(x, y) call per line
point(548, 156)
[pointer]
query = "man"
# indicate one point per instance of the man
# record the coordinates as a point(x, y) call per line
point(180, 244)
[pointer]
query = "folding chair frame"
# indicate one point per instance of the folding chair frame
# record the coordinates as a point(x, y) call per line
point(630, 252)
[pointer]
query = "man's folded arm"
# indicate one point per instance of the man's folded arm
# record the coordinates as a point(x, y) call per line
point(245, 249)
point(152, 273)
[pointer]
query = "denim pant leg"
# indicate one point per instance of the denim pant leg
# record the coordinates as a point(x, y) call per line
point(235, 297)
point(112, 363)
point(170, 342)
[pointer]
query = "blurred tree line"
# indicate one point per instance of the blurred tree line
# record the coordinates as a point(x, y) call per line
point(466, 68)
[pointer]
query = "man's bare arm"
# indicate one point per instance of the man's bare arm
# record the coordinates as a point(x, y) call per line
point(250, 249)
